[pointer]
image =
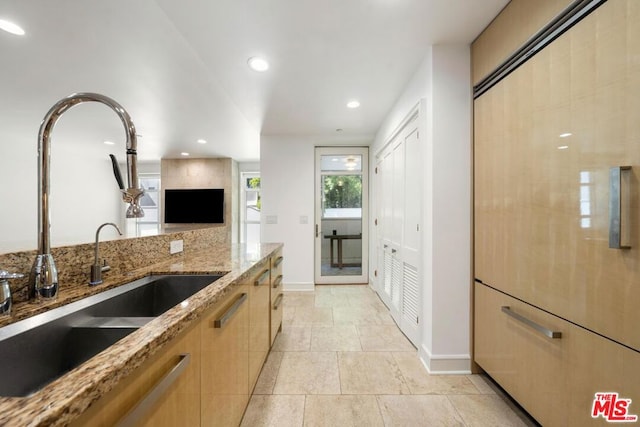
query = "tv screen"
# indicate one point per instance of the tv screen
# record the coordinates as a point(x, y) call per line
point(189, 206)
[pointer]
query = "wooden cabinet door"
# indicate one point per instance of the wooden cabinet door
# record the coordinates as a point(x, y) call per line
point(225, 360)
point(276, 295)
point(178, 405)
point(554, 379)
point(259, 324)
point(546, 138)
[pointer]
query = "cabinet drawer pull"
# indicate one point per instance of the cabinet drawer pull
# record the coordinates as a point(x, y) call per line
point(615, 207)
point(219, 323)
point(277, 282)
point(262, 278)
point(150, 399)
point(277, 302)
point(278, 261)
point(544, 331)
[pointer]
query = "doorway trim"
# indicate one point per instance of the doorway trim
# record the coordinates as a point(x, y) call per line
point(319, 237)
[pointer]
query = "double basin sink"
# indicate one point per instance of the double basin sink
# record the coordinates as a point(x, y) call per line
point(40, 349)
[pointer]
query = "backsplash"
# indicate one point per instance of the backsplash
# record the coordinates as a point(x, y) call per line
point(123, 255)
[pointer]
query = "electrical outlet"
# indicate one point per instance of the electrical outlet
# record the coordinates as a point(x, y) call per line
point(175, 246)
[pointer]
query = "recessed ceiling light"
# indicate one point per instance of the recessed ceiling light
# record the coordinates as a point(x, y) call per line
point(201, 141)
point(563, 147)
point(353, 104)
point(110, 143)
point(258, 64)
point(184, 154)
point(565, 135)
point(10, 27)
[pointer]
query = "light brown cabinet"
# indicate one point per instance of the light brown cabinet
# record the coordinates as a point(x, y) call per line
point(179, 404)
point(259, 322)
point(554, 379)
point(276, 294)
point(210, 369)
point(546, 138)
point(224, 337)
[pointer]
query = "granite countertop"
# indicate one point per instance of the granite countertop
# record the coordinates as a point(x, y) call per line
point(62, 400)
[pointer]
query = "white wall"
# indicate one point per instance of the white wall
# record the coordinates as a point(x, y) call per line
point(287, 165)
point(287, 181)
point(443, 80)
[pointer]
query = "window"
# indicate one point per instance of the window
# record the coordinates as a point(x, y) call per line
point(251, 206)
point(149, 224)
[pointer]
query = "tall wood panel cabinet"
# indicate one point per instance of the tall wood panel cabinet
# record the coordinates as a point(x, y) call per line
point(557, 229)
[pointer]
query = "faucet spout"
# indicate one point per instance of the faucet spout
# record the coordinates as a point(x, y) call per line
point(43, 281)
point(96, 268)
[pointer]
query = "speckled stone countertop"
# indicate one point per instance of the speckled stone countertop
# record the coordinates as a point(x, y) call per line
point(64, 399)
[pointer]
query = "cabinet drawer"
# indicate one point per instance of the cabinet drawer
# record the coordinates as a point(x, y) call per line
point(276, 315)
point(554, 379)
point(178, 405)
point(225, 360)
point(259, 285)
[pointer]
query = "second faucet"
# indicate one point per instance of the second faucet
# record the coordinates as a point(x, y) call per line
point(97, 268)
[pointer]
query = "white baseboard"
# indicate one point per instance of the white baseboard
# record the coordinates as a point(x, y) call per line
point(298, 287)
point(441, 364)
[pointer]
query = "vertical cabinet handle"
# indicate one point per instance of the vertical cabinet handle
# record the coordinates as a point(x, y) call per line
point(544, 331)
point(149, 400)
point(263, 276)
point(615, 207)
point(219, 323)
point(277, 302)
point(278, 261)
point(316, 230)
point(277, 282)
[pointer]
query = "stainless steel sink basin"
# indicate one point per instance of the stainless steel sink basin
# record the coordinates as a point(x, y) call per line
point(38, 350)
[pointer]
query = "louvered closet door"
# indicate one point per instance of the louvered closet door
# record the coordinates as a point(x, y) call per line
point(411, 242)
point(401, 211)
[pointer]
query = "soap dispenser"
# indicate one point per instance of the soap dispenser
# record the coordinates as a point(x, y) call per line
point(5, 291)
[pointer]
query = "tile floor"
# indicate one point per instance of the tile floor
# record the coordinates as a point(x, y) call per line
point(341, 361)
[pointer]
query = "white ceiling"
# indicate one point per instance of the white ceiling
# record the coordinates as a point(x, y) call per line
point(180, 67)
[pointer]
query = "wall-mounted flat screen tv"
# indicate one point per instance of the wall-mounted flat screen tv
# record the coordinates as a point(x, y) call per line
point(188, 206)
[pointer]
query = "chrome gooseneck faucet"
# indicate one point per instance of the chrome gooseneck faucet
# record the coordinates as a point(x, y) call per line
point(43, 282)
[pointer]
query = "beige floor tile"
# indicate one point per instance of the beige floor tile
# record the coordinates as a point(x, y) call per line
point(299, 299)
point(274, 411)
point(370, 373)
point(342, 411)
point(312, 316)
point(287, 314)
point(421, 382)
point(485, 410)
point(335, 338)
point(482, 383)
point(411, 411)
point(267, 378)
point(351, 289)
point(383, 338)
point(361, 316)
point(327, 299)
point(308, 373)
point(293, 338)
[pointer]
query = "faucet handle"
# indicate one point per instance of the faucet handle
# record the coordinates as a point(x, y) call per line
point(4, 274)
point(5, 291)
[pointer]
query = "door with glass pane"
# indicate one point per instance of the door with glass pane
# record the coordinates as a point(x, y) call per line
point(341, 231)
point(251, 204)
